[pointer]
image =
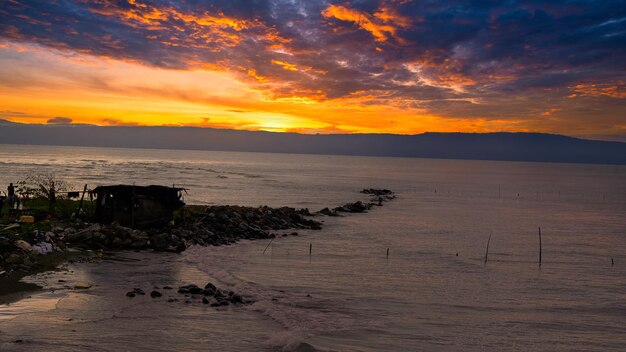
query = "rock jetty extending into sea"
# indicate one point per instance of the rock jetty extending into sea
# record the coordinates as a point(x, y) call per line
point(201, 225)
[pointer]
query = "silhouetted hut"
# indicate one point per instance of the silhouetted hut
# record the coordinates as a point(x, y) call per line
point(137, 206)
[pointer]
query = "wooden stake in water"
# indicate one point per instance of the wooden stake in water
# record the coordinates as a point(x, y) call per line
point(612, 262)
point(387, 253)
point(539, 246)
point(310, 248)
point(268, 245)
point(487, 251)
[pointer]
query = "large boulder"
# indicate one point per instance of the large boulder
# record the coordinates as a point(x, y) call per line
point(161, 241)
point(210, 289)
point(23, 245)
point(191, 288)
point(71, 235)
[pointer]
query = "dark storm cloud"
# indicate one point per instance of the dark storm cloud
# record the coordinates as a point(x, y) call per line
point(435, 51)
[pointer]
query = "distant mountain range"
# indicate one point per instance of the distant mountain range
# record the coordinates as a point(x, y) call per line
point(479, 146)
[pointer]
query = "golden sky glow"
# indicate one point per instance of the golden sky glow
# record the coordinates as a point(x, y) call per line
point(109, 92)
point(315, 67)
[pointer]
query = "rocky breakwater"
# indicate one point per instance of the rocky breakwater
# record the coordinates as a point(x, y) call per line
point(201, 225)
point(205, 226)
point(377, 198)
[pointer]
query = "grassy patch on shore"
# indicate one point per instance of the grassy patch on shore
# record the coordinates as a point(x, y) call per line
point(40, 209)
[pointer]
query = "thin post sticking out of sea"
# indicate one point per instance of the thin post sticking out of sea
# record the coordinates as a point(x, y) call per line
point(539, 246)
point(310, 248)
point(612, 262)
point(387, 253)
point(268, 245)
point(487, 251)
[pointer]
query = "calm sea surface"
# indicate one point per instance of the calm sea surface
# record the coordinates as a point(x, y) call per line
point(347, 296)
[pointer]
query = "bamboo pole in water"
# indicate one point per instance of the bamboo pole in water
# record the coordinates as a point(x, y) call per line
point(487, 251)
point(268, 245)
point(539, 246)
point(387, 253)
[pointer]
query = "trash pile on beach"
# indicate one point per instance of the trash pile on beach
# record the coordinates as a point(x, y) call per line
point(205, 226)
point(24, 256)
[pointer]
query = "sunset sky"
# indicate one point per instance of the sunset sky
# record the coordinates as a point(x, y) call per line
point(311, 66)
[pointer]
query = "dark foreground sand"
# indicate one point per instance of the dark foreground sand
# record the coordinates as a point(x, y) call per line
point(13, 288)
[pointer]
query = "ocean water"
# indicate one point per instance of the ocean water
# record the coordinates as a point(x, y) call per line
point(433, 293)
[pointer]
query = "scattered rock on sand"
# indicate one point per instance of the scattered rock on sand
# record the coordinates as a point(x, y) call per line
point(82, 286)
point(191, 288)
point(235, 298)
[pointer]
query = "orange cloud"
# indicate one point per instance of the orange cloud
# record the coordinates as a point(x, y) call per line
point(252, 73)
point(389, 14)
point(376, 25)
point(551, 111)
point(208, 31)
point(445, 73)
point(611, 90)
point(285, 65)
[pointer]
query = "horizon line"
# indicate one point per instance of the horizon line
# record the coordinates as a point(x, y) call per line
point(608, 138)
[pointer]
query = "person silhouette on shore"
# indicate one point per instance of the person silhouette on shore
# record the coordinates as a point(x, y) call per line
point(1, 203)
point(52, 198)
point(11, 195)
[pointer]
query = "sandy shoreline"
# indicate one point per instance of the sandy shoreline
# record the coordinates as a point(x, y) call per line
point(12, 288)
point(102, 316)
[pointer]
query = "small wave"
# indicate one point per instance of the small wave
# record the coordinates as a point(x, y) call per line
point(302, 316)
point(286, 341)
